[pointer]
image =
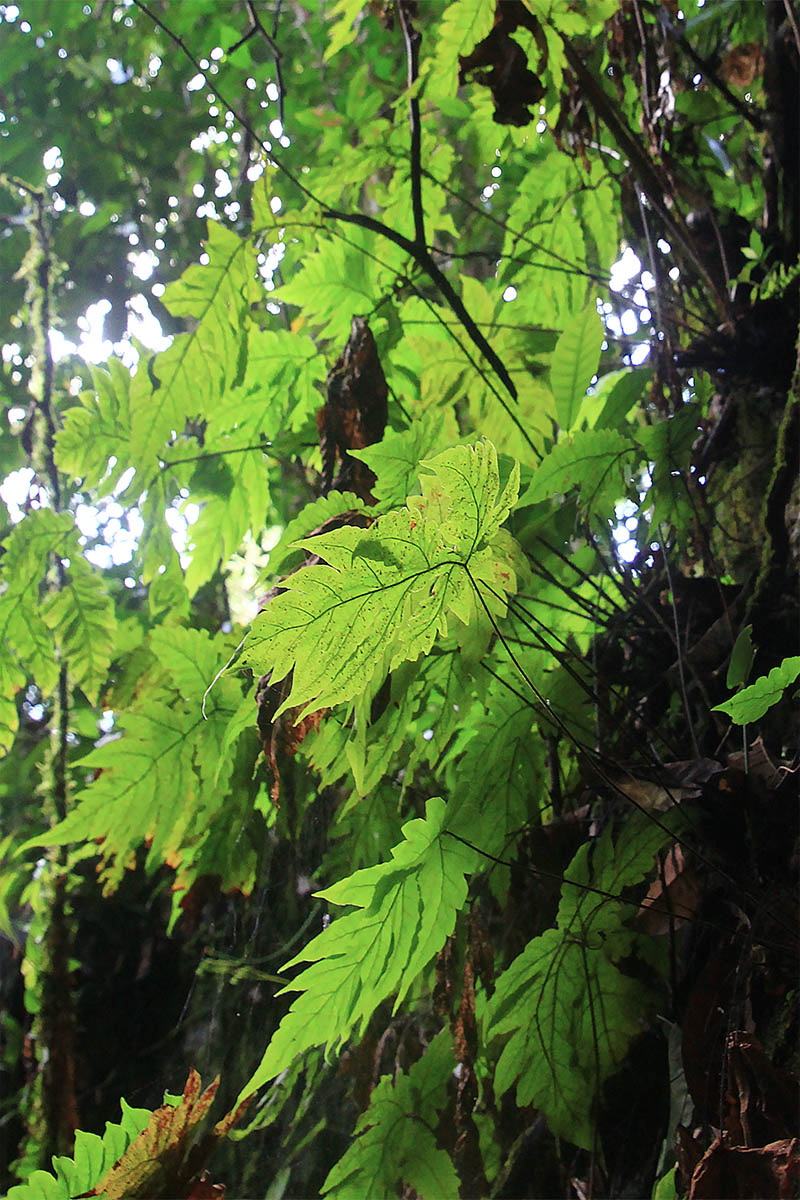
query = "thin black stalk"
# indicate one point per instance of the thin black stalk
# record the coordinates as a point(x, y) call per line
point(412, 40)
point(681, 674)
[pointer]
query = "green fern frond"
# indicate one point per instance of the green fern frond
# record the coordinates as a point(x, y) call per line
point(386, 593)
point(406, 908)
point(94, 1156)
point(566, 1005)
point(395, 1141)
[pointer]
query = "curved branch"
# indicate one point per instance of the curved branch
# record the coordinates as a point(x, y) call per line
point(420, 254)
point(423, 258)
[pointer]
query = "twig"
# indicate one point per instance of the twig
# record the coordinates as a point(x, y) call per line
point(479, 369)
point(179, 42)
point(645, 92)
point(412, 40)
point(420, 255)
point(597, 763)
point(787, 4)
point(744, 110)
point(444, 285)
point(644, 168)
point(564, 266)
point(176, 462)
point(257, 27)
point(278, 73)
point(679, 652)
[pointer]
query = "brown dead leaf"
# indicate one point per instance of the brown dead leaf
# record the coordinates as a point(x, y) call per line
point(768, 1172)
point(742, 64)
point(654, 797)
point(674, 891)
point(165, 1160)
point(761, 1101)
point(758, 765)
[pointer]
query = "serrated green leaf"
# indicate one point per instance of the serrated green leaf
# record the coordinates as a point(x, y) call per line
point(311, 517)
point(225, 519)
point(167, 775)
point(77, 616)
point(590, 459)
point(396, 459)
point(566, 1004)
point(344, 13)
point(93, 1157)
point(499, 755)
point(752, 702)
point(668, 445)
point(394, 1142)
point(406, 909)
point(338, 280)
point(133, 795)
point(95, 430)
point(384, 594)
point(614, 396)
point(81, 617)
point(463, 25)
point(12, 678)
point(284, 384)
point(195, 370)
point(575, 360)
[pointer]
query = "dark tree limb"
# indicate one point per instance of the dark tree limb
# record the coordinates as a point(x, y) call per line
point(423, 258)
point(419, 254)
point(412, 40)
point(644, 169)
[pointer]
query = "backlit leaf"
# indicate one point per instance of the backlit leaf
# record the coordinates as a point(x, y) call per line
point(81, 617)
point(396, 458)
point(575, 360)
point(566, 1004)
point(406, 908)
point(394, 1142)
point(92, 1158)
point(164, 779)
point(194, 371)
point(591, 459)
point(342, 33)
point(316, 513)
point(157, 1162)
point(741, 659)
point(384, 594)
point(464, 24)
point(752, 702)
point(95, 430)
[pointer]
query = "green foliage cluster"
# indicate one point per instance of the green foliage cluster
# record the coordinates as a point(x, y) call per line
point(437, 641)
point(93, 1158)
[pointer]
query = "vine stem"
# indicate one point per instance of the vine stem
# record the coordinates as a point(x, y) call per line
point(679, 652)
point(54, 1025)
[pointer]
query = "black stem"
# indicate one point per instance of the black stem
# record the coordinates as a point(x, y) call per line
point(423, 258)
point(176, 462)
point(419, 254)
point(412, 40)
